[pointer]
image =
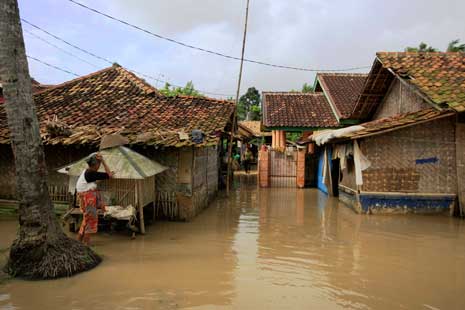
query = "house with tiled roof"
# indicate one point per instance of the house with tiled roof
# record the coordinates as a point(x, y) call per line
point(408, 152)
point(341, 91)
point(290, 112)
point(329, 106)
point(36, 86)
point(183, 133)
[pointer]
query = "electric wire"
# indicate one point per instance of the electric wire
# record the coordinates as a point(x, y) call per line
point(107, 60)
point(59, 48)
point(52, 66)
point(159, 36)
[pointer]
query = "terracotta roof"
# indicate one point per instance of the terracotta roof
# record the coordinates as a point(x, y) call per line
point(342, 90)
point(295, 109)
point(440, 77)
point(254, 127)
point(382, 125)
point(36, 86)
point(114, 100)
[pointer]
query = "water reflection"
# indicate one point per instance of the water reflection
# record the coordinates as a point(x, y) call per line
point(266, 249)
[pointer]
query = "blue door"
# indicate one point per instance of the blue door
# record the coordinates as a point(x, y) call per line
point(321, 186)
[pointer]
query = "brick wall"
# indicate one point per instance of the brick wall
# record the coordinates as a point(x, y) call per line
point(300, 182)
point(264, 168)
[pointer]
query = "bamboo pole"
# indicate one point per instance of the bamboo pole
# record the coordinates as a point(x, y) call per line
point(233, 129)
point(141, 208)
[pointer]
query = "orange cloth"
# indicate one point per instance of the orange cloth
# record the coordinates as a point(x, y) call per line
point(90, 201)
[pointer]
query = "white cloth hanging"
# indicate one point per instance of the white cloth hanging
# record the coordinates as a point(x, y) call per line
point(361, 163)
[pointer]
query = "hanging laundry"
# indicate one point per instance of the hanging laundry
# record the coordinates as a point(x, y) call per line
point(361, 163)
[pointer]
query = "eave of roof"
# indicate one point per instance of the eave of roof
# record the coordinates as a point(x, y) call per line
point(388, 124)
point(114, 100)
point(437, 77)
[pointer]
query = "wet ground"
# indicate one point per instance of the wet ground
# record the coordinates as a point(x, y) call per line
point(265, 249)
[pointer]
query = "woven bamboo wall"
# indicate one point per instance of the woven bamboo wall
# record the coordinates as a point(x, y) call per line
point(212, 172)
point(167, 181)
point(400, 99)
point(55, 157)
point(460, 142)
point(394, 157)
point(205, 178)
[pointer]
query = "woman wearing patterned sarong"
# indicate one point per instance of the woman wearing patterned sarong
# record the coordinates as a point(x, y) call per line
point(90, 199)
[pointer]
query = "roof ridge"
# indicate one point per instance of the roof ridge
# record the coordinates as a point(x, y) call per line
point(424, 53)
point(75, 80)
point(340, 74)
point(137, 80)
point(290, 93)
point(202, 97)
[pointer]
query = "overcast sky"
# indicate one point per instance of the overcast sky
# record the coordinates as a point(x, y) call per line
point(328, 34)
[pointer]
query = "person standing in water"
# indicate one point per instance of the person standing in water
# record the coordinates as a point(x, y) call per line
point(89, 197)
point(248, 157)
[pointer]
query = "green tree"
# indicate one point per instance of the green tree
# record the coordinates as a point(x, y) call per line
point(307, 88)
point(248, 106)
point(454, 46)
point(423, 47)
point(41, 249)
point(188, 90)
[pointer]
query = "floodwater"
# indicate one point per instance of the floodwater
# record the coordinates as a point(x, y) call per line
point(265, 249)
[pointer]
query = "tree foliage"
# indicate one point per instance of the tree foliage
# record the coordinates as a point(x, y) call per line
point(307, 88)
point(422, 47)
point(248, 106)
point(188, 90)
point(455, 46)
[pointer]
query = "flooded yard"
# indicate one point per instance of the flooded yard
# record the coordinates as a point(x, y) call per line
point(265, 249)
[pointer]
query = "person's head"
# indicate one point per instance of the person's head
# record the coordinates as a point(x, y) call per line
point(93, 162)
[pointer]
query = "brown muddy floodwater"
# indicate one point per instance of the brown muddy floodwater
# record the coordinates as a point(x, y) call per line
point(265, 249)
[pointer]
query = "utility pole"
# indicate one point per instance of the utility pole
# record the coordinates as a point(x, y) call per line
point(233, 127)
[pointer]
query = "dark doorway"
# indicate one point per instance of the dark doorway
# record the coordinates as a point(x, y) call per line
point(335, 177)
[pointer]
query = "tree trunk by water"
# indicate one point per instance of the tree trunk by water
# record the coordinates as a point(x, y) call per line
point(41, 250)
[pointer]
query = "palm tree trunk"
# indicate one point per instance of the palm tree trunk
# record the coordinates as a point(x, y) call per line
point(41, 249)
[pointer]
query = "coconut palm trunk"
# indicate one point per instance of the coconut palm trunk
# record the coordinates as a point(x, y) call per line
point(41, 250)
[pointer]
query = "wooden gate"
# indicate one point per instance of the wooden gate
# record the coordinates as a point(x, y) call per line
point(283, 168)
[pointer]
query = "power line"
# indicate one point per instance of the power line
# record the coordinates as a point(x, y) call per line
point(207, 50)
point(107, 60)
point(59, 48)
point(66, 42)
point(52, 66)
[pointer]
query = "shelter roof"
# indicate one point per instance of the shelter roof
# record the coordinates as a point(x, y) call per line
point(128, 163)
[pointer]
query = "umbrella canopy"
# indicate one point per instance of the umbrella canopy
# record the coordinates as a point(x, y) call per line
point(126, 163)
